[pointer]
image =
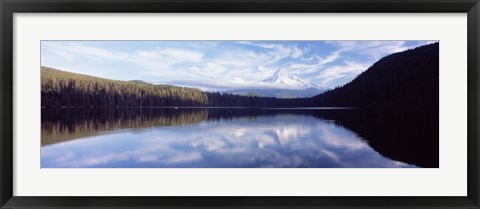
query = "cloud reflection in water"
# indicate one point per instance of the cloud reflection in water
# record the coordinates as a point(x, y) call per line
point(284, 141)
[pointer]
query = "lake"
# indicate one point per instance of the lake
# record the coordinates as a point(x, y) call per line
point(239, 138)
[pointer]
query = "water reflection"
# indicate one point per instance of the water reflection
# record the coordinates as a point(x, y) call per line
point(223, 138)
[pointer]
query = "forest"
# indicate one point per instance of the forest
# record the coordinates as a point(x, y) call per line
point(404, 79)
point(409, 78)
point(65, 89)
point(60, 88)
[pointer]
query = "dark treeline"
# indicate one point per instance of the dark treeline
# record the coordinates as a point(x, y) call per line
point(404, 79)
point(65, 89)
point(234, 100)
point(60, 88)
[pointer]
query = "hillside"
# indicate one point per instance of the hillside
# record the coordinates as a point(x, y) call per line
point(60, 88)
point(66, 89)
point(405, 79)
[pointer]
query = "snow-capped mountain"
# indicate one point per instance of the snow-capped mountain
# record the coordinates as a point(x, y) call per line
point(282, 79)
point(282, 84)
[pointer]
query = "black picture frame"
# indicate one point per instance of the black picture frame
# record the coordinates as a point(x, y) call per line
point(10, 7)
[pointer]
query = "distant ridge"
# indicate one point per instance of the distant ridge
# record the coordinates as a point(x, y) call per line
point(282, 84)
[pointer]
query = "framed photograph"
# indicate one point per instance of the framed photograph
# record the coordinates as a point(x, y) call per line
point(239, 104)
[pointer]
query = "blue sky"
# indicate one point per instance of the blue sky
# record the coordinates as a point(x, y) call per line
point(217, 64)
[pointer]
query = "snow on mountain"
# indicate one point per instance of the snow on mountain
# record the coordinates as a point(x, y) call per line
point(282, 79)
point(281, 84)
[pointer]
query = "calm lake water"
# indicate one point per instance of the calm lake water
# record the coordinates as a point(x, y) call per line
point(238, 138)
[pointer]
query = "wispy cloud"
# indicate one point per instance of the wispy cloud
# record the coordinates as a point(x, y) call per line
point(76, 50)
point(348, 69)
point(371, 49)
point(317, 65)
point(324, 63)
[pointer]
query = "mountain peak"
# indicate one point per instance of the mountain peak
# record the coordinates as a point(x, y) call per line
point(279, 75)
point(283, 79)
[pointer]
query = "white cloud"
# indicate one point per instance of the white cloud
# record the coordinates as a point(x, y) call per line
point(349, 69)
point(368, 51)
point(161, 62)
point(181, 157)
point(157, 62)
point(430, 42)
point(77, 49)
point(330, 58)
point(248, 64)
point(74, 49)
point(214, 62)
point(372, 49)
point(279, 51)
point(168, 54)
point(296, 53)
point(257, 44)
point(169, 63)
point(320, 63)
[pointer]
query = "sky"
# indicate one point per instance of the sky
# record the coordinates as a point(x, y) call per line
point(216, 65)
